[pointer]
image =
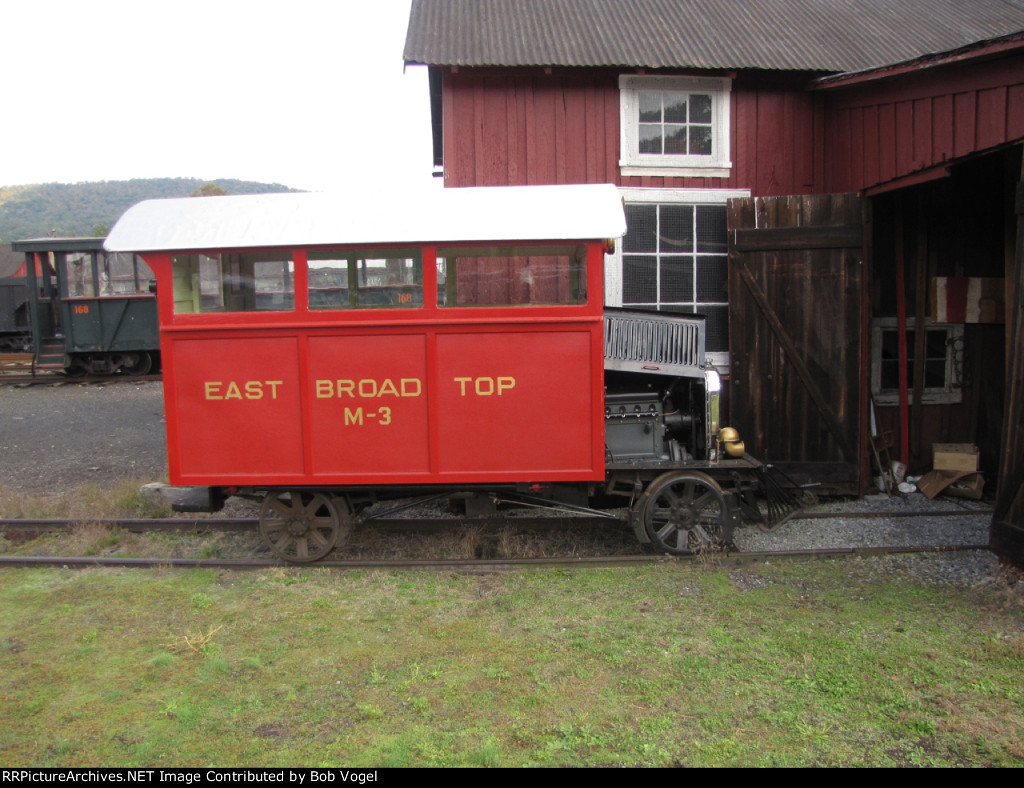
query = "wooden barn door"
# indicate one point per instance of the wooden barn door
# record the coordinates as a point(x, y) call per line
point(797, 334)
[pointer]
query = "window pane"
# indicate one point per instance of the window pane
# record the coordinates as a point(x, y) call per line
point(211, 291)
point(935, 344)
point(389, 282)
point(364, 279)
point(675, 107)
point(711, 229)
point(676, 279)
point(328, 281)
point(78, 275)
point(935, 374)
point(650, 138)
point(890, 373)
point(197, 284)
point(639, 280)
point(274, 283)
point(700, 108)
point(116, 273)
point(233, 283)
point(675, 139)
point(512, 276)
point(712, 279)
point(650, 107)
point(700, 140)
point(676, 231)
point(641, 229)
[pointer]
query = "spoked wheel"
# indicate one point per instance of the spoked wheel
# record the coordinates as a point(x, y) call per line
point(684, 513)
point(137, 363)
point(301, 526)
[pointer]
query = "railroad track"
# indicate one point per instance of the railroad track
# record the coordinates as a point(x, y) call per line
point(724, 557)
point(15, 363)
point(60, 379)
point(427, 524)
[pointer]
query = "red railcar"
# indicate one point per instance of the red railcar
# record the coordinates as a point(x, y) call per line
point(329, 351)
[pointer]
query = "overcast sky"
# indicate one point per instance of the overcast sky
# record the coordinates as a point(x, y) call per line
point(307, 93)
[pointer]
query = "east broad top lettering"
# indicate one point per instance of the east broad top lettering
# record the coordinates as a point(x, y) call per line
point(368, 388)
point(241, 390)
point(364, 388)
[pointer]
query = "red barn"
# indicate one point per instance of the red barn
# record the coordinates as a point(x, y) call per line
point(835, 184)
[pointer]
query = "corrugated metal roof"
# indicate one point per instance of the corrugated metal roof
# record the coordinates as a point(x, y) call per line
point(814, 35)
point(541, 213)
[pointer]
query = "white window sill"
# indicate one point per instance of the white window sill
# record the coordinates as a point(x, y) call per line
point(655, 171)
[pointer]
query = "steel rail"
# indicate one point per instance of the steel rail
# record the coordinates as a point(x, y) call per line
point(888, 515)
point(243, 524)
point(490, 564)
point(240, 524)
point(57, 379)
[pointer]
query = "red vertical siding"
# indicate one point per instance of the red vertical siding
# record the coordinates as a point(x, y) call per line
point(883, 130)
point(527, 126)
point(1015, 112)
point(921, 122)
point(991, 117)
point(516, 126)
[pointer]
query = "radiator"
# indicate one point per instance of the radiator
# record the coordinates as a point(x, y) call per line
point(654, 342)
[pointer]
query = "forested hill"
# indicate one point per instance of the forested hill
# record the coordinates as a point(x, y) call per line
point(85, 209)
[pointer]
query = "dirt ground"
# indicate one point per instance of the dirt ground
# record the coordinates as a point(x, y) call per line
point(57, 437)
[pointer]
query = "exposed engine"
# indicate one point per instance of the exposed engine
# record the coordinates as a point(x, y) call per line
point(661, 397)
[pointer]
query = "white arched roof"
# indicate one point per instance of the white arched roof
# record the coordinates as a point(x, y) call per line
point(500, 213)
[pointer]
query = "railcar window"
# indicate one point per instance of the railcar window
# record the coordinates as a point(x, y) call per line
point(123, 273)
point(78, 275)
point(365, 279)
point(512, 276)
point(233, 283)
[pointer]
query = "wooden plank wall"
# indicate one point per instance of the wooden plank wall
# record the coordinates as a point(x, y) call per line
point(796, 321)
point(887, 130)
point(526, 126)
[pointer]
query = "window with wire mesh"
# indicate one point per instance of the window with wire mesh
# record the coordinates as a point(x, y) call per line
point(674, 259)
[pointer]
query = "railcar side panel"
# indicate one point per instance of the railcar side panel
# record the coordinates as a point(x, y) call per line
point(238, 408)
point(527, 392)
point(403, 405)
point(368, 404)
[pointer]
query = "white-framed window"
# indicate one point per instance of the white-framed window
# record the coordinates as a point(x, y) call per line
point(674, 126)
point(674, 258)
point(943, 362)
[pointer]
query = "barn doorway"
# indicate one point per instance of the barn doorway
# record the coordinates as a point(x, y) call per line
point(944, 250)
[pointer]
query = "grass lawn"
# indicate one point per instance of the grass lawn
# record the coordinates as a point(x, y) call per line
point(795, 664)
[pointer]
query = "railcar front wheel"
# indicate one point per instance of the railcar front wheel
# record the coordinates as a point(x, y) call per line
point(684, 513)
point(300, 526)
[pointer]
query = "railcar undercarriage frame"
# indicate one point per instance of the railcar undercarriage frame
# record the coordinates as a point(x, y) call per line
point(675, 508)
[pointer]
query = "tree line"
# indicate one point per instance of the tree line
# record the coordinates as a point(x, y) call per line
point(68, 210)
